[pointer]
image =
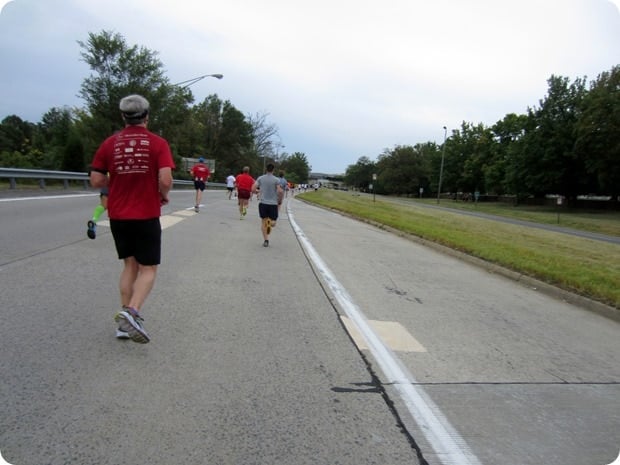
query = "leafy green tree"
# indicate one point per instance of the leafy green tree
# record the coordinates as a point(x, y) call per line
point(15, 160)
point(119, 70)
point(234, 141)
point(457, 148)
point(203, 128)
point(568, 145)
point(55, 126)
point(217, 129)
point(507, 132)
point(549, 160)
point(73, 153)
point(598, 133)
point(479, 153)
point(359, 176)
point(15, 135)
point(517, 180)
point(296, 167)
point(52, 137)
point(401, 171)
point(427, 153)
point(18, 144)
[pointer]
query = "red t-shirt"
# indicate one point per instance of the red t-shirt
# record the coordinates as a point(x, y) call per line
point(200, 172)
point(133, 157)
point(244, 181)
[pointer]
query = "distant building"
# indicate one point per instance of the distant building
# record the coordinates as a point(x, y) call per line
point(332, 181)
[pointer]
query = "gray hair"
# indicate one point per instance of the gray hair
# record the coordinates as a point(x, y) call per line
point(134, 108)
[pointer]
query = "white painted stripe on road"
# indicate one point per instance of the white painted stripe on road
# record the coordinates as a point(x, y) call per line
point(184, 212)
point(165, 220)
point(168, 220)
point(48, 197)
point(450, 447)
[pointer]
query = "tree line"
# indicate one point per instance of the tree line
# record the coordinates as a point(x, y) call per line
point(568, 145)
point(66, 138)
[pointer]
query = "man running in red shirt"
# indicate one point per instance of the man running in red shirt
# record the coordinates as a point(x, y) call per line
point(201, 174)
point(244, 183)
point(139, 164)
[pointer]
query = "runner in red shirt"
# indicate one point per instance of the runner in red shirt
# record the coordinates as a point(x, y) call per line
point(244, 183)
point(139, 164)
point(201, 174)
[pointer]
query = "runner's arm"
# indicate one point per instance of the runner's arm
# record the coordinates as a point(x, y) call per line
point(98, 179)
point(165, 183)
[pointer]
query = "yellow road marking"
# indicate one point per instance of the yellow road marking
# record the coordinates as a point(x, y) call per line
point(393, 334)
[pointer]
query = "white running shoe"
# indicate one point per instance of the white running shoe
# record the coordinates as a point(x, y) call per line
point(130, 321)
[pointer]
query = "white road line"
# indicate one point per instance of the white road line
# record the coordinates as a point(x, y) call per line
point(48, 197)
point(166, 221)
point(450, 447)
point(185, 212)
point(169, 220)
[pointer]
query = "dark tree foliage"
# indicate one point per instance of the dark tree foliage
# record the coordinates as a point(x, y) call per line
point(119, 70)
point(598, 133)
point(234, 140)
point(568, 145)
point(295, 166)
point(552, 165)
point(359, 176)
point(73, 154)
point(401, 171)
point(15, 134)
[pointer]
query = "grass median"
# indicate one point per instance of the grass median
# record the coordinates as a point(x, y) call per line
point(587, 267)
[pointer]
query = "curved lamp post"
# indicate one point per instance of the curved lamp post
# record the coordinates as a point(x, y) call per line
point(189, 82)
point(443, 154)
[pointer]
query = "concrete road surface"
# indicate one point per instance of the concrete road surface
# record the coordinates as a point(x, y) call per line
point(338, 344)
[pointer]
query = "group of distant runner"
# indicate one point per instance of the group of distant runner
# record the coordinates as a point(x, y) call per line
point(242, 187)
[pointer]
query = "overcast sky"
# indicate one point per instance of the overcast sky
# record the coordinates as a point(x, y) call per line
point(341, 79)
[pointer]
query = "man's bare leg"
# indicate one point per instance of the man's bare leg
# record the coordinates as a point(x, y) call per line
point(128, 277)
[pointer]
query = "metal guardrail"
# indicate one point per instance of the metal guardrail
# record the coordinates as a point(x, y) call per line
point(41, 175)
point(13, 174)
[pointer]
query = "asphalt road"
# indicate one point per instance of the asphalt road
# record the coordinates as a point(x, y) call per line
point(339, 344)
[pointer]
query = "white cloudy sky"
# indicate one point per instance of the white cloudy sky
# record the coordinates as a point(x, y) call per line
point(340, 78)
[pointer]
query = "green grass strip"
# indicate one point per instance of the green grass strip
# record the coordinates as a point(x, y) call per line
point(584, 266)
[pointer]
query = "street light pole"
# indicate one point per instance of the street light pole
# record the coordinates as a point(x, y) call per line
point(190, 82)
point(443, 154)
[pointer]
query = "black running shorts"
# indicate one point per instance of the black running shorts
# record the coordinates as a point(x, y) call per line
point(268, 211)
point(140, 239)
